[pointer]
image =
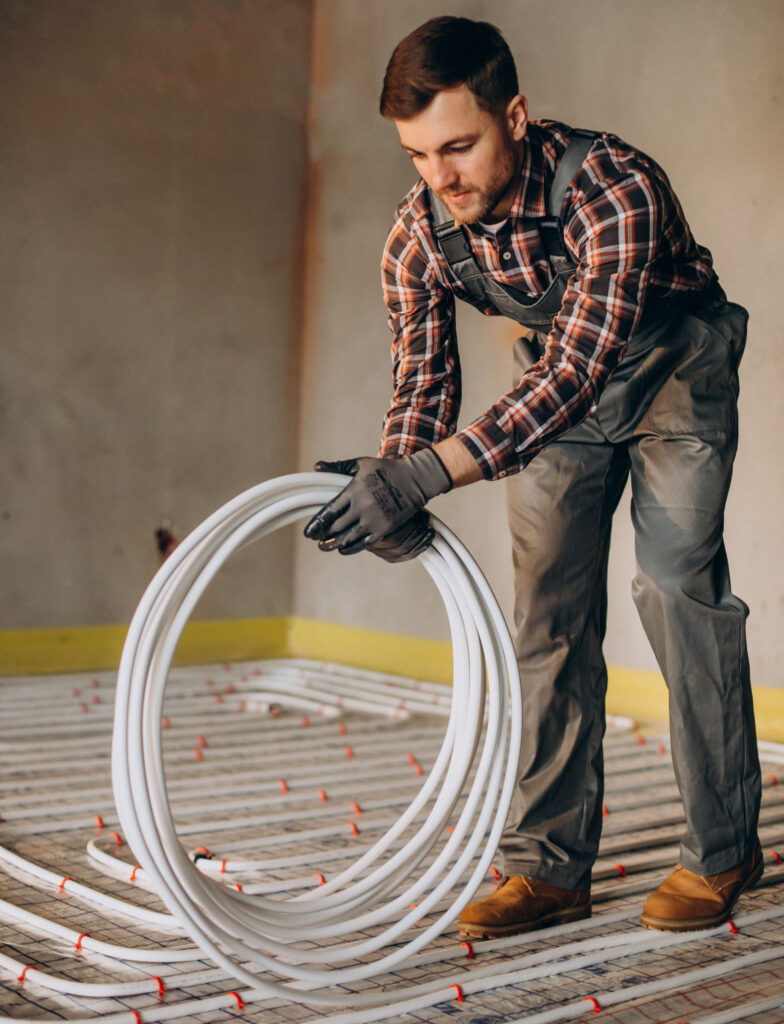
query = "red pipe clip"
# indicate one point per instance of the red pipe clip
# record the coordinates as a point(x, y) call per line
point(460, 997)
point(305, 721)
point(198, 754)
point(469, 950)
point(283, 787)
point(621, 870)
point(349, 752)
point(133, 874)
point(78, 943)
point(116, 838)
point(494, 872)
point(202, 742)
point(594, 1002)
point(320, 877)
point(342, 728)
point(355, 808)
point(98, 821)
point(733, 927)
point(354, 829)
point(161, 987)
point(322, 795)
point(240, 1004)
point(21, 977)
point(62, 884)
point(776, 857)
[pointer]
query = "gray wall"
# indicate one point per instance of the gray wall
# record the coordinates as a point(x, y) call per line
point(692, 83)
point(152, 178)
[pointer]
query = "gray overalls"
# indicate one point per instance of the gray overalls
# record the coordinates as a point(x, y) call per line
point(668, 420)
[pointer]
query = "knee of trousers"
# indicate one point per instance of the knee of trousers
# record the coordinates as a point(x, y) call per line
point(681, 558)
point(678, 594)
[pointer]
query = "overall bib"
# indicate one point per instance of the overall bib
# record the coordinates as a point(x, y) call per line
point(667, 420)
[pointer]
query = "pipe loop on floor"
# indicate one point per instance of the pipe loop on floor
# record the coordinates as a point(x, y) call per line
point(370, 912)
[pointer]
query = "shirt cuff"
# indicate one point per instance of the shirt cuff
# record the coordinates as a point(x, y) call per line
point(493, 450)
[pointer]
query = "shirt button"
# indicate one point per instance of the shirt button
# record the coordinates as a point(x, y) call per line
point(506, 256)
point(501, 474)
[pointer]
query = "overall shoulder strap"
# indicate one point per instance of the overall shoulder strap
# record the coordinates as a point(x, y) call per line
point(456, 248)
point(551, 228)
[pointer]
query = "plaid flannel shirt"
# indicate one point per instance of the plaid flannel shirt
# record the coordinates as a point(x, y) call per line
point(625, 231)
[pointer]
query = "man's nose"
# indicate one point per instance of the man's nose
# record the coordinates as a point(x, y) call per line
point(442, 174)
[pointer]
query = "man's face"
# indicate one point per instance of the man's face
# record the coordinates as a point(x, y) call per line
point(467, 155)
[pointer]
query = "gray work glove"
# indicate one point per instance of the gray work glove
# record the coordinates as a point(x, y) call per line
point(380, 509)
point(401, 545)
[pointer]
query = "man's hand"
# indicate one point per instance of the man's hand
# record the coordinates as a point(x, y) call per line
point(379, 508)
point(401, 545)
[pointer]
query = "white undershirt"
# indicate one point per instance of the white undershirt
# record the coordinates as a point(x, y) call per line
point(492, 229)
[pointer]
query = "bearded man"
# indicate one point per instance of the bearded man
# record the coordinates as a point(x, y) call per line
point(627, 370)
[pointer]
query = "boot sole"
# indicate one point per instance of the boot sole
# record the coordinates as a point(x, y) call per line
point(481, 931)
point(695, 924)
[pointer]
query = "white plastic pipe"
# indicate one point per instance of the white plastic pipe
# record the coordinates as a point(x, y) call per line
point(385, 892)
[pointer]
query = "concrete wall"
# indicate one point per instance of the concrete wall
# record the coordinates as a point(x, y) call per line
point(191, 298)
point(152, 181)
point(697, 86)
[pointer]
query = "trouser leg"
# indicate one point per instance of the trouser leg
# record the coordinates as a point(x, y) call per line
point(681, 464)
point(560, 511)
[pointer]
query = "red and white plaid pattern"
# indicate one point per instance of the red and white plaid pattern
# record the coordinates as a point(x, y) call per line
point(625, 230)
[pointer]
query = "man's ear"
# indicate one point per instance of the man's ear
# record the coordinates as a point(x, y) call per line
point(517, 117)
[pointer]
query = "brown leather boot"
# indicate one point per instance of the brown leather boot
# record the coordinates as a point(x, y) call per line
point(686, 902)
point(520, 904)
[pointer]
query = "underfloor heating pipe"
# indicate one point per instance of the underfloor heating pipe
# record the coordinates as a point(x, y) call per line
point(225, 1000)
point(548, 963)
point(251, 937)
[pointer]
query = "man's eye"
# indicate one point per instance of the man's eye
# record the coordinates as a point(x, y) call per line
point(459, 149)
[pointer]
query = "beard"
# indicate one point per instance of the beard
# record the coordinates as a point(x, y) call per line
point(482, 200)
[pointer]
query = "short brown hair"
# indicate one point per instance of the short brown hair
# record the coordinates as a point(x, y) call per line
point(443, 53)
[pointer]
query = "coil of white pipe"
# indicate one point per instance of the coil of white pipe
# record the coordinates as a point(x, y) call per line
point(257, 938)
